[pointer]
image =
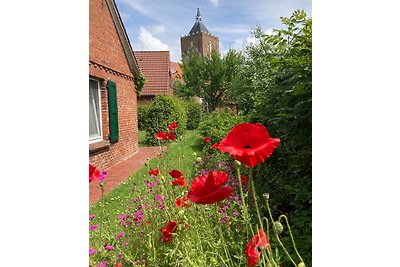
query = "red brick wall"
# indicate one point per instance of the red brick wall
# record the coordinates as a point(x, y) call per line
point(107, 61)
point(200, 41)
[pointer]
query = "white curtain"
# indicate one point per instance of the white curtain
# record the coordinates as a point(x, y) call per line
point(94, 110)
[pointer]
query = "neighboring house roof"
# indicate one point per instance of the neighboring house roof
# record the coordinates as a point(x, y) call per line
point(198, 25)
point(176, 71)
point(155, 66)
point(126, 45)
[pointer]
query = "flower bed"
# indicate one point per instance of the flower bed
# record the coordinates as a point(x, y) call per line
point(208, 216)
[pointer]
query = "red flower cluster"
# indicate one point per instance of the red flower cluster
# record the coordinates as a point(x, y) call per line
point(249, 143)
point(154, 172)
point(206, 139)
point(208, 189)
point(167, 231)
point(172, 126)
point(181, 202)
point(94, 174)
point(179, 178)
point(253, 249)
point(165, 136)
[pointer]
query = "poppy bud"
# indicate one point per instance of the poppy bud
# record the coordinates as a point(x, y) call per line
point(278, 227)
point(198, 159)
point(301, 264)
point(238, 163)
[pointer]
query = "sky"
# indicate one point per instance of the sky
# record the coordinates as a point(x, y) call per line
point(159, 24)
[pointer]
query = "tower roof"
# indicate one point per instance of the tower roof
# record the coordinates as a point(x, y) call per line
point(198, 25)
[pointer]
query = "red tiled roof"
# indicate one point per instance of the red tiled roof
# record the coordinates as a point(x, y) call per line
point(176, 71)
point(155, 66)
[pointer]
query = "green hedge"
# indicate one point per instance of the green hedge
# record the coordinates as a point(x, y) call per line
point(163, 111)
point(142, 114)
point(194, 115)
point(217, 125)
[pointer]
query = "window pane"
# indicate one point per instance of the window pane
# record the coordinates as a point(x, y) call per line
point(94, 110)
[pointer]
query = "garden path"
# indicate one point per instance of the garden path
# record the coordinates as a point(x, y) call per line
point(121, 172)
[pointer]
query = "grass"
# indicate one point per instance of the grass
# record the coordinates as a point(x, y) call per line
point(180, 156)
point(142, 138)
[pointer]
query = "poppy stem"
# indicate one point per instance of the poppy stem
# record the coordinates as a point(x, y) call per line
point(291, 236)
point(244, 205)
point(276, 233)
point(257, 209)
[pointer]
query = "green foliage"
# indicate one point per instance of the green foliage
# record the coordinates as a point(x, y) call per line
point(182, 91)
point(163, 111)
point(194, 114)
point(217, 125)
point(279, 67)
point(139, 83)
point(142, 114)
point(212, 77)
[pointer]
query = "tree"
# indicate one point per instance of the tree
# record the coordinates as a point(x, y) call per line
point(211, 77)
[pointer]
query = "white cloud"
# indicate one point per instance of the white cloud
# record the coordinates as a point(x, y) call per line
point(240, 44)
point(147, 41)
point(214, 2)
point(159, 28)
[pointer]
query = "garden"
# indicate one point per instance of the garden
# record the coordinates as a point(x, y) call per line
point(232, 185)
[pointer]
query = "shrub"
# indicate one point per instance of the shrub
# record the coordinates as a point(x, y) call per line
point(194, 114)
point(142, 114)
point(217, 125)
point(163, 111)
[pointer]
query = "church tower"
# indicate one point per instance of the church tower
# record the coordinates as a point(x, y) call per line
point(199, 38)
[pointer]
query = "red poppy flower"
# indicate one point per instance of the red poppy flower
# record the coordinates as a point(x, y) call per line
point(208, 189)
point(176, 174)
point(170, 136)
point(257, 242)
point(118, 264)
point(167, 231)
point(249, 143)
point(181, 202)
point(172, 126)
point(154, 172)
point(160, 136)
point(94, 174)
point(206, 139)
point(214, 146)
point(179, 181)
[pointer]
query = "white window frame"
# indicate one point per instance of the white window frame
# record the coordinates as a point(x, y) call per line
point(97, 138)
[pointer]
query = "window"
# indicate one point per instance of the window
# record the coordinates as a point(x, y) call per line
point(209, 46)
point(95, 129)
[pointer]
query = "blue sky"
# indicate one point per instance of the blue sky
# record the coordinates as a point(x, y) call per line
point(159, 24)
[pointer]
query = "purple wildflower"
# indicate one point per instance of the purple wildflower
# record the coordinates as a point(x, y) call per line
point(102, 264)
point(91, 217)
point(159, 198)
point(119, 235)
point(138, 216)
point(93, 227)
point(103, 174)
point(125, 244)
point(149, 184)
point(235, 213)
point(109, 248)
point(92, 251)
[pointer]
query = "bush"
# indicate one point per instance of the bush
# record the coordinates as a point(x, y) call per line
point(194, 114)
point(142, 114)
point(163, 111)
point(217, 125)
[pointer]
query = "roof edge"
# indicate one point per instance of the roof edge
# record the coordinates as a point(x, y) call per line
point(126, 45)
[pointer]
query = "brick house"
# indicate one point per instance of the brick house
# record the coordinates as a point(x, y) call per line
point(113, 131)
point(156, 67)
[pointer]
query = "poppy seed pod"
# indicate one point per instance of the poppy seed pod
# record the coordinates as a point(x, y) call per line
point(278, 227)
point(301, 264)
